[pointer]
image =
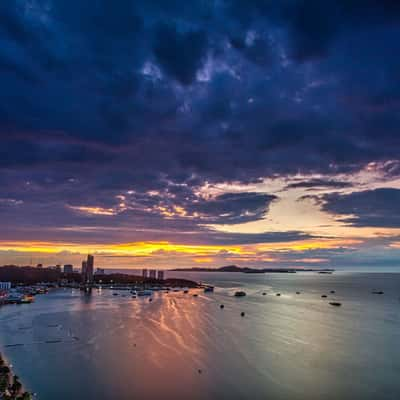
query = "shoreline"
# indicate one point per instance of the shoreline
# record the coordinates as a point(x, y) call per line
point(10, 386)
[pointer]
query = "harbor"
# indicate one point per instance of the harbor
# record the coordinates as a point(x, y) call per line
point(122, 343)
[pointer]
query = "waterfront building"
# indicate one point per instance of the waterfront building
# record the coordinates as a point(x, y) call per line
point(160, 275)
point(5, 285)
point(144, 273)
point(83, 271)
point(152, 274)
point(87, 269)
point(90, 268)
point(68, 269)
point(100, 271)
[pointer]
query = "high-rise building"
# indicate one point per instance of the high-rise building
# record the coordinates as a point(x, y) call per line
point(68, 269)
point(160, 275)
point(90, 268)
point(83, 271)
point(144, 273)
point(152, 274)
point(87, 269)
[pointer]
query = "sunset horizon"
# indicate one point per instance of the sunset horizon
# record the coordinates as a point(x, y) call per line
point(199, 199)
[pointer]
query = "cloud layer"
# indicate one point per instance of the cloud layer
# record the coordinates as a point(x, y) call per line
point(117, 116)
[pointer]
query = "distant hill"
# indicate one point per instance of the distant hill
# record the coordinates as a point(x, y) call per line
point(230, 268)
point(247, 270)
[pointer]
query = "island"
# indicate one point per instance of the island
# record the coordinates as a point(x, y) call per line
point(247, 270)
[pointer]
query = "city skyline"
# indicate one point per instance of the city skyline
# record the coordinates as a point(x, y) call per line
point(259, 134)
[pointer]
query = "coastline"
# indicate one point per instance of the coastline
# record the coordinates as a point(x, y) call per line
point(10, 386)
point(135, 347)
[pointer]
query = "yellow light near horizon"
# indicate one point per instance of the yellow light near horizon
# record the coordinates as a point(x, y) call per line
point(203, 260)
point(135, 248)
point(311, 244)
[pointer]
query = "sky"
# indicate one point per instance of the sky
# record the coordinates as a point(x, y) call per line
point(261, 133)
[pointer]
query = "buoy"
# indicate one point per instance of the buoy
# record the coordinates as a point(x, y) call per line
point(221, 306)
point(332, 291)
point(264, 294)
point(199, 371)
point(242, 313)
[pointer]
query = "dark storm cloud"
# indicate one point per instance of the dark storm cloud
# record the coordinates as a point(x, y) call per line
point(319, 183)
point(232, 208)
point(376, 208)
point(314, 26)
point(98, 99)
point(180, 54)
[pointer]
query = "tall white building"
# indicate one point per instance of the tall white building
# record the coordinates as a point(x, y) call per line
point(160, 275)
point(152, 274)
point(5, 285)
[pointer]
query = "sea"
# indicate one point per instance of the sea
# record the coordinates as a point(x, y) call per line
point(71, 345)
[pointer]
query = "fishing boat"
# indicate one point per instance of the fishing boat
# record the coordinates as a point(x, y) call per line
point(144, 293)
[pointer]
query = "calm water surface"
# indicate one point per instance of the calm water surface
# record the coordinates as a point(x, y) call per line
point(289, 347)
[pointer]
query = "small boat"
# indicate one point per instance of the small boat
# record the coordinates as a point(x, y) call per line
point(278, 294)
point(208, 289)
point(26, 299)
point(134, 297)
point(195, 295)
point(264, 293)
point(115, 294)
point(242, 314)
point(240, 294)
point(221, 306)
point(332, 291)
point(297, 292)
point(377, 292)
point(186, 291)
point(144, 293)
point(335, 303)
point(324, 296)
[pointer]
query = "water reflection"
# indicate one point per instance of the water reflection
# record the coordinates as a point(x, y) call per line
point(179, 346)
